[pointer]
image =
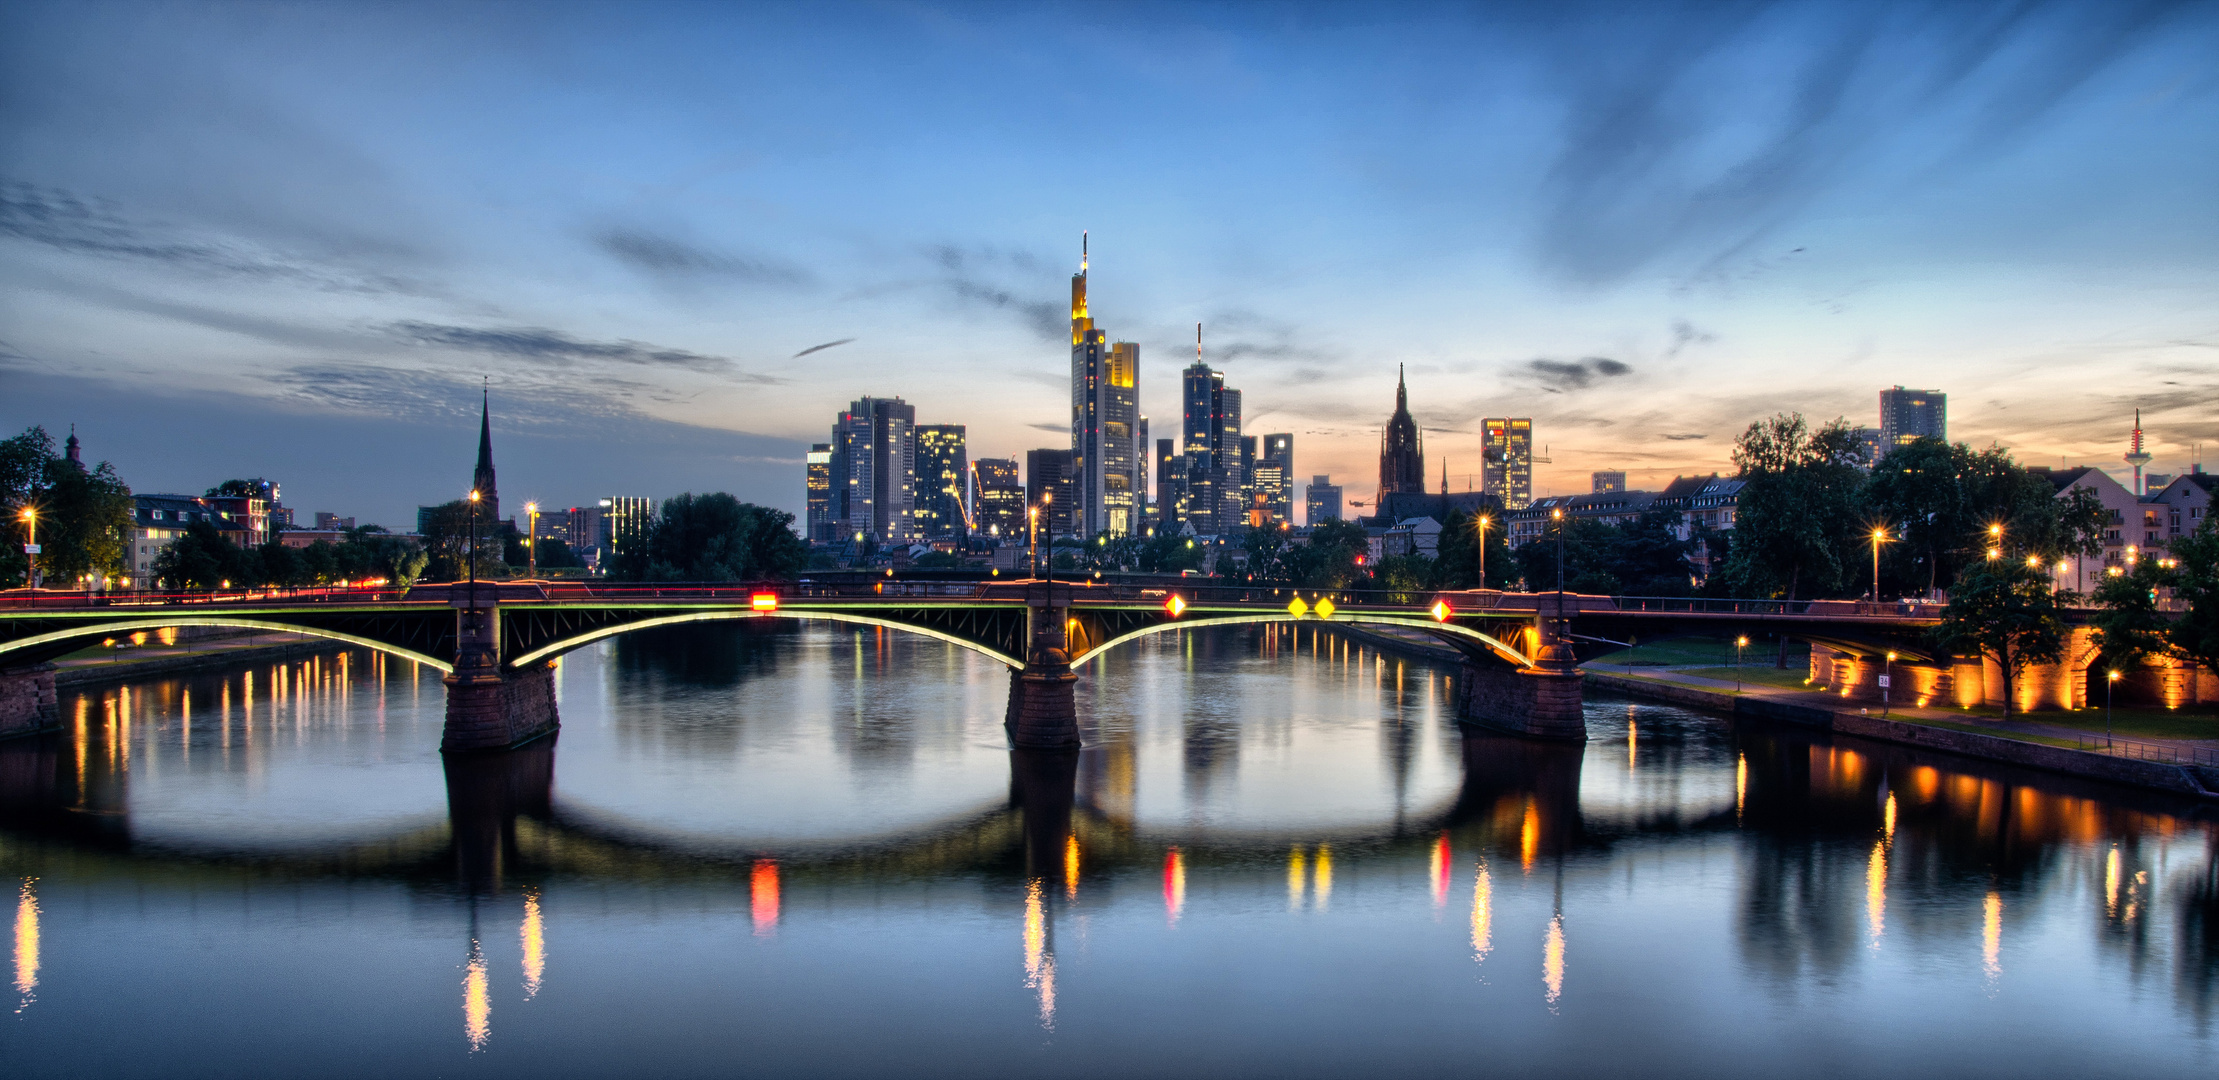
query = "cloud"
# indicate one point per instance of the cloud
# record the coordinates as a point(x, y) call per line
point(1688, 436)
point(560, 349)
point(94, 227)
point(1045, 319)
point(667, 257)
point(1558, 376)
point(823, 347)
point(1684, 334)
point(1051, 427)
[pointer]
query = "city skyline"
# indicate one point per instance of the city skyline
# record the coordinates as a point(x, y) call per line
point(259, 241)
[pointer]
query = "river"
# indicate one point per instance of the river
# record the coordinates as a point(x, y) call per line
point(807, 851)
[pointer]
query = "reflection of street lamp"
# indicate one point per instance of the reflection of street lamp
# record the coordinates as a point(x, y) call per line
point(2110, 681)
point(1740, 643)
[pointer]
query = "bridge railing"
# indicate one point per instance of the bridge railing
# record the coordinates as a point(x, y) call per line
point(57, 599)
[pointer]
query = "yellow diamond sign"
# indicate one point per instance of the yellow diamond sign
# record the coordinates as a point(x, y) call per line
point(1325, 608)
point(1297, 608)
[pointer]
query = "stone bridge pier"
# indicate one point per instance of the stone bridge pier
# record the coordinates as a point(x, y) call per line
point(489, 708)
point(28, 702)
point(1542, 701)
point(1043, 709)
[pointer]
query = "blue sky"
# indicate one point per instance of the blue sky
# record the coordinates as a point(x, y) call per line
point(292, 240)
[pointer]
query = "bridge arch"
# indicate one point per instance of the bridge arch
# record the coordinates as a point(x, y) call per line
point(1489, 642)
point(557, 648)
point(134, 626)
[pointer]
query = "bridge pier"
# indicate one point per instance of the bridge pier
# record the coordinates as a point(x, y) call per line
point(486, 793)
point(28, 702)
point(1542, 701)
point(1043, 711)
point(488, 708)
point(1043, 786)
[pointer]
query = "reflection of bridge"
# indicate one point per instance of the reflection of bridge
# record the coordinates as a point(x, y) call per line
point(497, 642)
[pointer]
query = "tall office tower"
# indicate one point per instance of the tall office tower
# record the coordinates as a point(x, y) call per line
point(1609, 480)
point(624, 521)
point(1231, 483)
point(1401, 448)
point(1171, 486)
point(1105, 420)
point(1198, 440)
point(1143, 512)
point(583, 533)
point(943, 475)
point(874, 470)
point(1910, 414)
point(821, 527)
point(1323, 501)
point(1279, 449)
point(1048, 473)
point(1268, 505)
point(1506, 460)
point(998, 498)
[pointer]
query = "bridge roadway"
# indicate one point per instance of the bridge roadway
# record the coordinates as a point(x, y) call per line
point(497, 642)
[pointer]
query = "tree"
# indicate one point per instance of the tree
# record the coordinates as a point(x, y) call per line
point(202, 558)
point(2196, 580)
point(1590, 556)
point(2004, 610)
point(1331, 560)
point(448, 547)
point(1457, 566)
point(84, 515)
point(1940, 500)
point(1167, 552)
point(2130, 628)
point(1800, 508)
point(713, 537)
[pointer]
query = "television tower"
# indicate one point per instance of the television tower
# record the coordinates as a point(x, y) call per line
point(2136, 456)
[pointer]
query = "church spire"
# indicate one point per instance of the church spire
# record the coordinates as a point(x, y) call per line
point(481, 480)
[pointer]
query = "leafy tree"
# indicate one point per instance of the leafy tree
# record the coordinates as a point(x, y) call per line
point(713, 537)
point(1332, 558)
point(2130, 628)
point(1801, 505)
point(2196, 580)
point(448, 547)
point(84, 515)
point(272, 563)
point(1591, 553)
point(1458, 564)
point(2004, 610)
point(1940, 500)
point(201, 558)
point(1167, 552)
point(555, 554)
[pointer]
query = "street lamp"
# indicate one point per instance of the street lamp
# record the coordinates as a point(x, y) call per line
point(2111, 680)
point(30, 517)
point(1887, 679)
point(531, 538)
point(1740, 643)
point(473, 549)
point(1879, 537)
point(1032, 536)
point(1483, 523)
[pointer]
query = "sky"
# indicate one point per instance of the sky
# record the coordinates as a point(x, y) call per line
point(295, 241)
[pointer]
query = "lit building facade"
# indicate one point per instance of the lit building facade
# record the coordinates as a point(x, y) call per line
point(1048, 479)
point(943, 474)
point(1609, 480)
point(623, 524)
point(1214, 492)
point(1506, 460)
point(1274, 476)
point(1912, 414)
point(819, 525)
point(999, 498)
point(1105, 422)
point(1322, 502)
point(874, 470)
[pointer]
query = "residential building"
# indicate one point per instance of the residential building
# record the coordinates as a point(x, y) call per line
point(1875, 446)
point(1609, 480)
point(1506, 460)
point(1048, 480)
point(1401, 447)
point(1322, 502)
point(1913, 414)
point(943, 488)
point(327, 520)
point(819, 526)
point(582, 532)
point(158, 519)
point(250, 513)
point(2182, 504)
point(874, 470)
point(2129, 531)
point(301, 538)
point(999, 498)
point(1105, 421)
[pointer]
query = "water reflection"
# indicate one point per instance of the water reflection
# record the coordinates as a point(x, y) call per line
point(1730, 870)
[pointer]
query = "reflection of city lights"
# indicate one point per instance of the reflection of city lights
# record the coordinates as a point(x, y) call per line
point(477, 1000)
point(1040, 964)
point(1483, 914)
point(1529, 837)
point(1741, 783)
point(1071, 866)
point(1887, 818)
point(2111, 884)
point(1552, 960)
point(1297, 867)
point(1321, 876)
point(1439, 871)
point(1991, 935)
point(534, 937)
point(1876, 891)
point(26, 943)
point(1174, 883)
point(762, 887)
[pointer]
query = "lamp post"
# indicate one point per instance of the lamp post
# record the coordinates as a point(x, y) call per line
point(1887, 681)
point(30, 517)
point(1740, 643)
point(1048, 498)
point(1483, 522)
point(1879, 537)
point(473, 550)
point(531, 539)
point(2111, 679)
point(1032, 536)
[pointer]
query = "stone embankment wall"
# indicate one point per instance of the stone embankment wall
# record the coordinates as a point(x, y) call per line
point(2067, 684)
point(28, 701)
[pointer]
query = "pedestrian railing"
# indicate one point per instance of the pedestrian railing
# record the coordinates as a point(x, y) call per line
point(2169, 753)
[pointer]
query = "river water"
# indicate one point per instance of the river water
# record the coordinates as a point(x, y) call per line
point(808, 852)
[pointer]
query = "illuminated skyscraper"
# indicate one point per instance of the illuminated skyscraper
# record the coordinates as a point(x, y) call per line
point(998, 498)
point(874, 470)
point(1048, 473)
point(1401, 448)
point(820, 524)
point(1275, 476)
point(943, 472)
point(1506, 460)
point(1105, 421)
point(623, 524)
point(1172, 491)
point(1323, 501)
point(1910, 414)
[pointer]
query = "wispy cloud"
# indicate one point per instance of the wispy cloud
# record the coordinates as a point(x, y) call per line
point(823, 347)
point(559, 349)
point(669, 257)
point(1558, 376)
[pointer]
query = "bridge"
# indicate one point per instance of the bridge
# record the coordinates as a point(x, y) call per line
point(497, 642)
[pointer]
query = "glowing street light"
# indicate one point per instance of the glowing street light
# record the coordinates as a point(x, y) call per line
point(1887, 678)
point(531, 533)
point(30, 516)
point(1481, 523)
point(2111, 679)
point(1879, 537)
point(1740, 643)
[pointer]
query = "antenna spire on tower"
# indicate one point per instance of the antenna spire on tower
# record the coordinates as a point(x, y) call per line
point(1082, 251)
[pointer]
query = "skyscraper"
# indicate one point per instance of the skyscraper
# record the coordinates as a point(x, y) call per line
point(1323, 501)
point(1105, 420)
point(624, 520)
point(874, 470)
point(1048, 473)
point(1171, 485)
point(998, 498)
point(1278, 451)
point(1910, 414)
point(1506, 460)
point(1401, 448)
point(943, 474)
point(820, 524)
point(1230, 484)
